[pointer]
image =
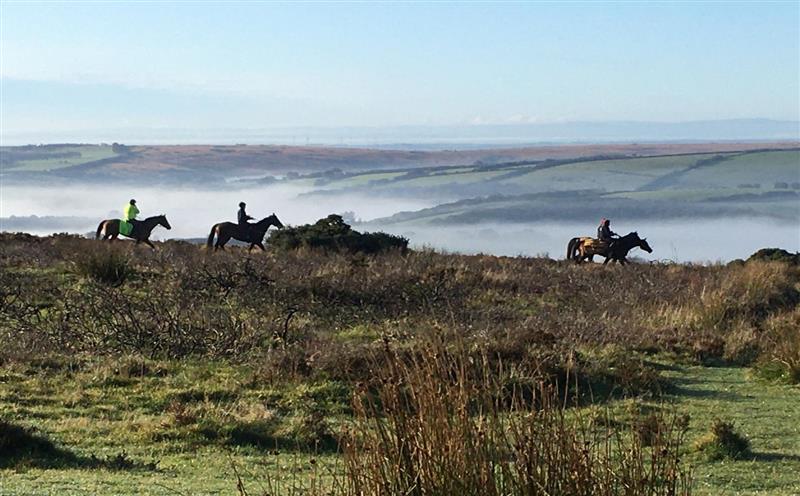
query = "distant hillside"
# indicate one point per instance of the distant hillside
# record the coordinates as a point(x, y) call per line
point(207, 164)
point(748, 184)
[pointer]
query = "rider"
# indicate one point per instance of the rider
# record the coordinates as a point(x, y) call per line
point(604, 232)
point(242, 218)
point(131, 211)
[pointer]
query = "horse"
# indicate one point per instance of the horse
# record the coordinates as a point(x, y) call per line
point(227, 230)
point(109, 228)
point(580, 249)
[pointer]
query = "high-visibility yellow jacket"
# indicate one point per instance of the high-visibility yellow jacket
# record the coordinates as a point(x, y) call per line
point(131, 211)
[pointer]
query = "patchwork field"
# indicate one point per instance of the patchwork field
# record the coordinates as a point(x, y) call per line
point(33, 159)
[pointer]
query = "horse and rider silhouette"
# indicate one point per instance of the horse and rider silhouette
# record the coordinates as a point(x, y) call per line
point(140, 230)
point(243, 230)
point(249, 233)
point(608, 244)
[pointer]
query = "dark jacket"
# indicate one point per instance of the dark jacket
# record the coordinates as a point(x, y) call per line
point(604, 233)
point(242, 217)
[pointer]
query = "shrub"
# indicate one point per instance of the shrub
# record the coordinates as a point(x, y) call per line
point(723, 442)
point(332, 234)
point(742, 345)
point(782, 345)
point(108, 267)
point(775, 255)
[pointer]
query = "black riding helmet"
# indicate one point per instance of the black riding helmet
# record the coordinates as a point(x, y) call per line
point(242, 204)
point(133, 202)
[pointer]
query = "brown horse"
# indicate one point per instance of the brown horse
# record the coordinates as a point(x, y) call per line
point(227, 230)
point(109, 228)
point(585, 247)
point(580, 249)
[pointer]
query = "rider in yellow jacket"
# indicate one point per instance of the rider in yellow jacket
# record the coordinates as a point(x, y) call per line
point(131, 211)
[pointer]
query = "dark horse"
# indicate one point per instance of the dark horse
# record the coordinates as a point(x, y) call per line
point(580, 249)
point(227, 230)
point(109, 228)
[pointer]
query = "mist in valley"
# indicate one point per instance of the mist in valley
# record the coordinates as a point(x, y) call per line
point(78, 209)
point(190, 211)
point(693, 240)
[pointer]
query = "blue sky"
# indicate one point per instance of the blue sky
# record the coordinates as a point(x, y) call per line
point(164, 65)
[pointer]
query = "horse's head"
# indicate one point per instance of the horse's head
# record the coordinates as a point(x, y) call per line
point(275, 221)
point(643, 244)
point(162, 221)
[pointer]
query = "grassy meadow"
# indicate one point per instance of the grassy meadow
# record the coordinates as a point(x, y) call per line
point(174, 371)
point(50, 158)
point(707, 171)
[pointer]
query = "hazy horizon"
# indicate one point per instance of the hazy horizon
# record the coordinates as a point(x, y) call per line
point(168, 66)
point(470, 136)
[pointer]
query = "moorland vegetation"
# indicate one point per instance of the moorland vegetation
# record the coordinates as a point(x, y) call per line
point(395, 371)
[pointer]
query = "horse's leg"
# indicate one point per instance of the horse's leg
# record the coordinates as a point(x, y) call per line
point(608, 259)
point(261, 245)
point(221, 240)
point(151, 245)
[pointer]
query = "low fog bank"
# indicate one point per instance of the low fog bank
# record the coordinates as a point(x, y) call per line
point(79, 209)
point(690, 241)
point(192, 212)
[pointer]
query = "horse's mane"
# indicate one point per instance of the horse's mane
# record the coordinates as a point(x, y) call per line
point(265, 219)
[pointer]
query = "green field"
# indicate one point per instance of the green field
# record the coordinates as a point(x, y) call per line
point(764, 169)
point(357, 180)
point(758, 184)
point(717, 174)
point(608, 175)
point(62, 157)
point(101, 412)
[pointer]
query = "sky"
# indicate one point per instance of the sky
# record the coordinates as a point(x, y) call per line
point(253, 65)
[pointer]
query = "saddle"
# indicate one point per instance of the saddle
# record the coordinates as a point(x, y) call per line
point(594, 243)
point(125, 227)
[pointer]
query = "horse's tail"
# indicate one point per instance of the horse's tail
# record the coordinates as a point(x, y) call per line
point(571, 247)
point(210, 241)
point(99, 229)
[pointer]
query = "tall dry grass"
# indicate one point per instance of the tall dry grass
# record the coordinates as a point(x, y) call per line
point(443, 422)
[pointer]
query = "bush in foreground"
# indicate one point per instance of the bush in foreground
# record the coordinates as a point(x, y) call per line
point(106, 266)
point(722, 442)
point(332, 234)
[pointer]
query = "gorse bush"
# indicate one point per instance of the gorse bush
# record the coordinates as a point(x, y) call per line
point(106, 266)
point(775, 255)
point(332, 234)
